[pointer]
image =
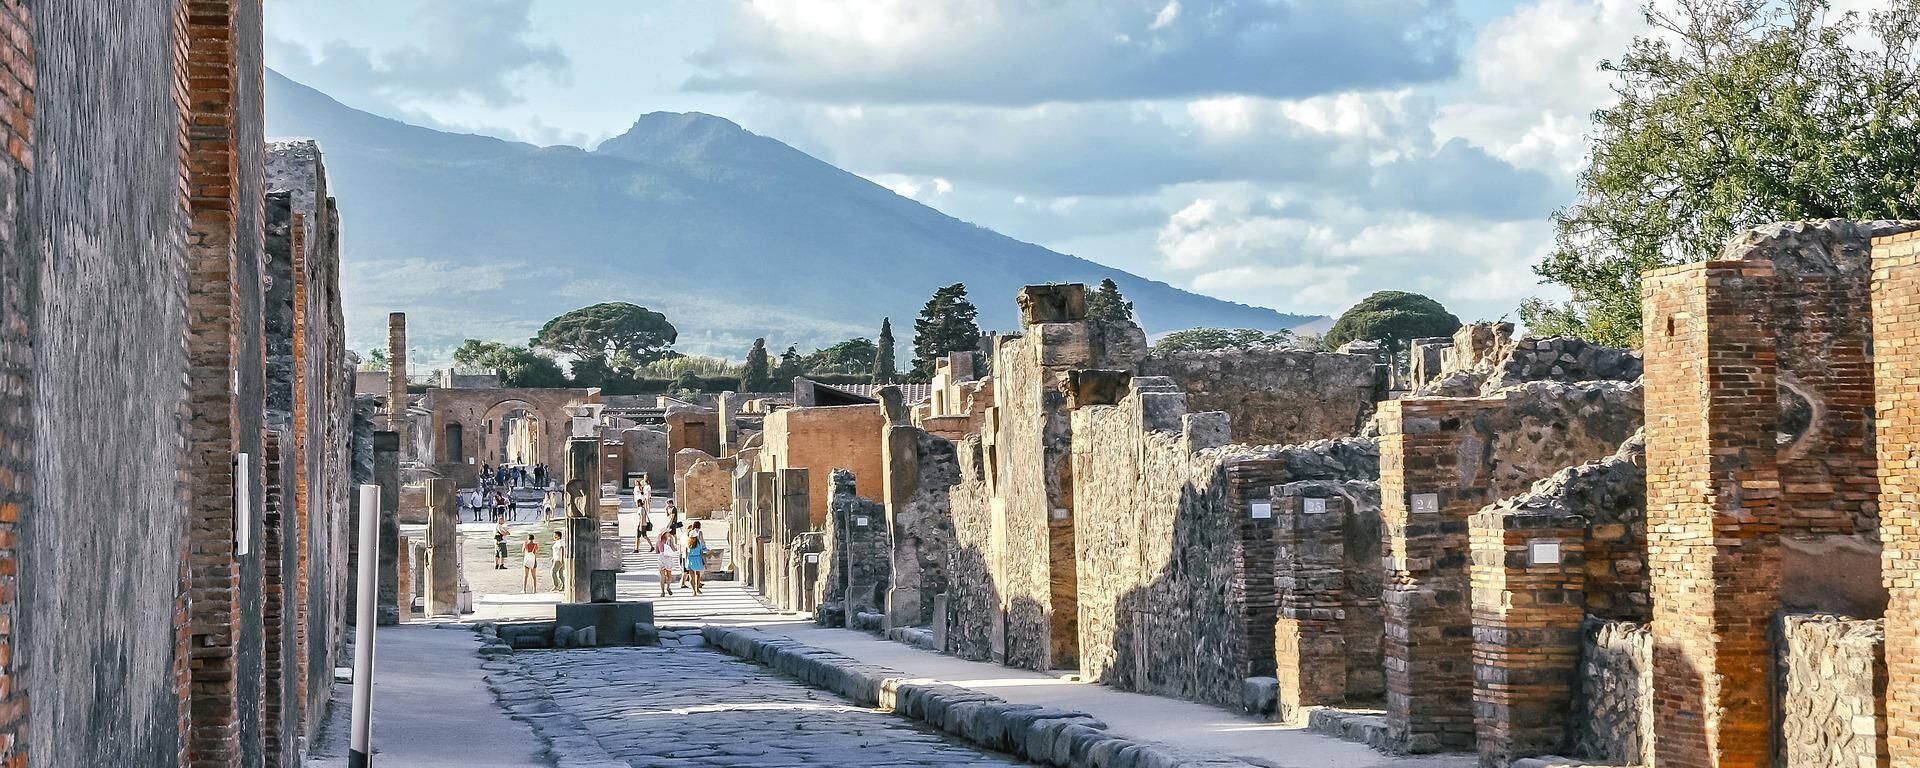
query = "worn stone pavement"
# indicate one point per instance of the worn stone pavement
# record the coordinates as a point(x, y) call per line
point(693, 707)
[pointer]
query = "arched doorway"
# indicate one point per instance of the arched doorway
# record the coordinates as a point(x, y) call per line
point(515, 434)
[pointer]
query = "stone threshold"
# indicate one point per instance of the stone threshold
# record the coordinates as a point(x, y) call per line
point(1044, 735)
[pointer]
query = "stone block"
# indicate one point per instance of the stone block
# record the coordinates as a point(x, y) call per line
point(1259, 695)
point(601, 586)
point(613, 622)
point(1053, 303)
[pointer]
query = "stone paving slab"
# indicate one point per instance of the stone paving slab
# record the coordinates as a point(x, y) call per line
point(695, 708)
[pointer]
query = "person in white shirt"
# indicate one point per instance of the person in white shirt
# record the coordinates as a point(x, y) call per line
point(559, 563)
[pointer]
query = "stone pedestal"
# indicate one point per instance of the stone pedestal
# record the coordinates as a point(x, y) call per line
point(600, 586)
point(443, 549)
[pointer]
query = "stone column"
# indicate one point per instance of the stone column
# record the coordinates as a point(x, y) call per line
point(1896, 355)
point(1528, 573)
point(386, 472)
point(397, 373)
point(443, 549)
point(583, 516)
point(403, 580)
point(900, 455)
point(790, 521)
point(1310, 656)
point(764, 498)
point(1713, 485)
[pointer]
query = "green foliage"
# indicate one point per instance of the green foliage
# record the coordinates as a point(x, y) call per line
point(376, 360)
point(884, 371)
point(758, 376)
point(854, 355)
point(614, 336)
point(948, 323)
point(1222, 338)
point(1392, 318)
point(1734, 113)
point(518, 366)
point(1107, 304)
point(790, 365)
point(673, 367)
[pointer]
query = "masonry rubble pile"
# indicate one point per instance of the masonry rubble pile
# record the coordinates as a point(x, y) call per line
point(1545, 549)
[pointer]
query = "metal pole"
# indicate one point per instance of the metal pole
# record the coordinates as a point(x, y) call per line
point(359, 752)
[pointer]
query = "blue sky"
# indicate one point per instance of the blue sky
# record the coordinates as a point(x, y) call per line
point(1295, 154)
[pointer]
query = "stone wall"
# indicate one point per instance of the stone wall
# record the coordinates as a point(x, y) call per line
point(1441, 461)
point(1613, 718)
point(976, 616)
point(857, 552)
point(647, 452)
point(1275, 396)
point(1610, 495)
point(1483, 358)
point(920, 471)
point(822, 439)
point(1832, 682)
point(705, 487)
point(469, 412)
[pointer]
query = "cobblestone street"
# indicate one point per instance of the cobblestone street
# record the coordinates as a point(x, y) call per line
point(690, 706)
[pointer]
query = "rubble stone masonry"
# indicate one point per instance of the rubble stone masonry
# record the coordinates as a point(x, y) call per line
point(1274, 396)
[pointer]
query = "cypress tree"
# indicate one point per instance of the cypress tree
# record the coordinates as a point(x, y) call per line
point(883, 370)
point(946, 324)
point(1107, 304)
point(759, 374)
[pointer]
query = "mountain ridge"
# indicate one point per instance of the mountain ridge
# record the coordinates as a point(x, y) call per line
point(733, 235)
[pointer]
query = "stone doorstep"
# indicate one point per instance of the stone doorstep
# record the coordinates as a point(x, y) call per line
point(1044, 735)
point(1363, 726)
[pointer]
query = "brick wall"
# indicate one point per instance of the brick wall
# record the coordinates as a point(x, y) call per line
point(1527, 574)
point(1329, 625)
point(823, 439)
point(1896, 354)
point(18, 290)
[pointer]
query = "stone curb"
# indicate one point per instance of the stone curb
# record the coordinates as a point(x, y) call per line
point(1045, 735)
point(568, 741)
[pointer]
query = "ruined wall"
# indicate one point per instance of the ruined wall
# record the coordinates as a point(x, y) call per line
point(975, 616)
point(110, 240)
point(474, 412)
point(822, 439)
point(647, 452)
point(1441, 461)
point(1610, 495)
point(1484, 358)
point(1329, 624)
point(920, 471)
point(706, 489)
point(1275, 396)
point(1175, 572)
point(857, 550)
point(1613, 717)
point(1832, 680)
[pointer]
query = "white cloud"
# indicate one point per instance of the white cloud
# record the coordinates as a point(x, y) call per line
point(1021, 52)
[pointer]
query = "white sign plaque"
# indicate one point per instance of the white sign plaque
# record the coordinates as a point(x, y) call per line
point(1426, 503)
point(1059, 513)
point(1543, 552)
point(1313, 506)
point(860, 521)
point(1263, 510)
point(243, 504)
point(813, 557)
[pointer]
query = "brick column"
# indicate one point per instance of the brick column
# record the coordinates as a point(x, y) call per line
point(274, 610)
point(213, 176)
point(1712, 528)
point(300, 535)
point(1426, 498)
point(1896, 358)
point(1528, 573)
point(397, 373)
point(443, 549)
point(17, 286)
point(1310, 650)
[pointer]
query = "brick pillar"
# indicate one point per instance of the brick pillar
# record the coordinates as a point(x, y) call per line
point(583, 516)
point(1528, 575)
point(386, 473)
point(397, 373)
point(274, 610)
point(1426, 497)
point(443, 549)
point(1896, 355)
point(213, 178)
point(300, 535)
point(17, 287)
point(1310, 649)
point(1712, 528)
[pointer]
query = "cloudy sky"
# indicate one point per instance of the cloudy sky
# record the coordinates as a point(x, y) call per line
point(1295, 154)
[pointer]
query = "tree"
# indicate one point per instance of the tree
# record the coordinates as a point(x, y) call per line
point(947, 324)
point(883, 369)
point(1108, 305)
point(1392, 318)
point(854, 355)
point(1732, 114)
point(618, 335)
point(759, 374)
point(376, 360)
point(518, 366)
point(790, 365)
point(1194, 339)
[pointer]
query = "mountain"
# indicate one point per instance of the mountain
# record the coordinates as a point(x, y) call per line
point(732, 235)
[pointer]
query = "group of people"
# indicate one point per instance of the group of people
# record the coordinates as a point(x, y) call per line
point(530, 559)
point(513, 476)
point(683, 564)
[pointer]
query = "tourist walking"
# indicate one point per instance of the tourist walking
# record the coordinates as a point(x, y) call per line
point(696, 558)
point(530, 565)
point(499, 551)
point(646, 534)
point(559, 563)
point(669, 561)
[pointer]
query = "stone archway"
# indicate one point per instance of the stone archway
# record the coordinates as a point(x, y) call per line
point(467, 426)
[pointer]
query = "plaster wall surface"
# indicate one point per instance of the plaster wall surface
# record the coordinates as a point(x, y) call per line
point(821, 439)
